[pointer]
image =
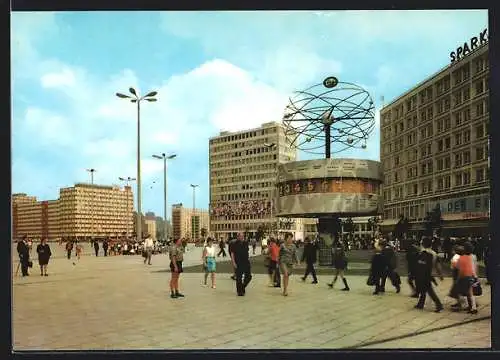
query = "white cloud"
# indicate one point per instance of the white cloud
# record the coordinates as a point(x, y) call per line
point(63, 78)
point(47, 127)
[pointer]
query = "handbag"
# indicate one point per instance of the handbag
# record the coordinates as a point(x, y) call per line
point(477, 290)
point(370, 281)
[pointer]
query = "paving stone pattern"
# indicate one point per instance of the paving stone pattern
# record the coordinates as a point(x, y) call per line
point(120, 303)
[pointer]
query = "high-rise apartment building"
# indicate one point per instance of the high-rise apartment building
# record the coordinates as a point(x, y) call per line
point(183, 226)
point(434, 149)
point(35, 218)
point(83, 210)
point(243, 171)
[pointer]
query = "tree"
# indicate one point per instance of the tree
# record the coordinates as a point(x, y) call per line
point(348, 225)
point(261, 231)
point(401, 227)
point(433, 222)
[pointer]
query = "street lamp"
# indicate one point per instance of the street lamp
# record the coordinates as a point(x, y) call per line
point(165, 158)
point(136, 99)
point(92, 171)
point(127, 180)
point(194, 186)
point(270, 146)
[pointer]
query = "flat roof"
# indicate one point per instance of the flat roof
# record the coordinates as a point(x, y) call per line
point(263, 126)
point(436, 74)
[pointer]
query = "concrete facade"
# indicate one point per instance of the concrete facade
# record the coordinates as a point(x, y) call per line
point(435, 148)
point(182, 222)
point(243, 174)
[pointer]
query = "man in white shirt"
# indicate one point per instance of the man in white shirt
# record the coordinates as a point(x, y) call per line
point(148, 248)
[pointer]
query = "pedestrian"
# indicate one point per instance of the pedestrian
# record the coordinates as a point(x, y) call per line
point(340, 264)
point(426, 262)
point(209, 262)
point(454, 291)
point(287, 257)
point(274, 270)
point(78, 249)
point(231, 243)
point(390, 259)
point(96, 247)
point(44, 254)
point(105, 245)
point(467, 276)
point(24, 255)
point(309, 255)
point(241, 263)
point(176, 253)
point(411, 260)
point(69, 248)
point(487, 262)
point(222, 248)
point(377, 268)
point(148, 249)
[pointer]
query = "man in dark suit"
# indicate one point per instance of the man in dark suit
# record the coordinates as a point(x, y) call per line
point(24, 255)
point(389, 256)
point(241, 263)
point(310, 255)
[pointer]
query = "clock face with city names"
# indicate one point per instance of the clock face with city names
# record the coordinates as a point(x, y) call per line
point(331, 185)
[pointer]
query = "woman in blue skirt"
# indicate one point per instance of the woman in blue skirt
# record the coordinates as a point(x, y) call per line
point(209, 262)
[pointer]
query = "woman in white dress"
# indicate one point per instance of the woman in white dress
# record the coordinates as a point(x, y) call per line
point(209, 262)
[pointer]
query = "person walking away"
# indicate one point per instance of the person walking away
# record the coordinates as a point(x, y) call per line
point(447, 248)
point(340, 265)
point(274, 272)
point(209, 262)
point(78, 249)
point(96, 247)
point(24, 255)
point(222, 248)
point(241, 263)
point(454, 291)
point(69, 248)
point(487, 263)
point(390, 259)
point(148, 248)
point(426, 262)
point(411, 260)
point(309, 255)
point(44, 254)
point(287, 257)
point(254, 245)
point(230, 249)
point(176, 253)
point(105, 245)
point(467, 275)
point(377, 267)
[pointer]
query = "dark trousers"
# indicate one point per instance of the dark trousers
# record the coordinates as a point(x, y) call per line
point(243, 277)
point(223, 252)
point(310, 270)
point(377, 279)
point(68, 254)
point(389, 273)
point(105, 251)
point(411, 282)
point(96, 251)
point(428, 289)
point(277, 277)
point(24, 266)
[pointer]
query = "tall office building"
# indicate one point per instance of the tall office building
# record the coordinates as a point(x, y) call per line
point(183, 226)
point(83, 210)
point(243, 170)
point(434, 149)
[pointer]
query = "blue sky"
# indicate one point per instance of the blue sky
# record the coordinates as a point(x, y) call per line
point(213, 71)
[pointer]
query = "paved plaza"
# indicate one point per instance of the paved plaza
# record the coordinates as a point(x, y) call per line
point(120, 303)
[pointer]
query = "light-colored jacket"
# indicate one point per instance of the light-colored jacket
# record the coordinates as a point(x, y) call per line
point(148, 244)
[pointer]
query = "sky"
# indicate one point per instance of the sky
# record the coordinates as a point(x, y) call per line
point(213, 71)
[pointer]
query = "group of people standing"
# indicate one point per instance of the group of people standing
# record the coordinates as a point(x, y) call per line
point(24, 253)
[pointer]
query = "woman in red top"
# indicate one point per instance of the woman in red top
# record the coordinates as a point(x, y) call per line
point(274, 251)
point(467, 275)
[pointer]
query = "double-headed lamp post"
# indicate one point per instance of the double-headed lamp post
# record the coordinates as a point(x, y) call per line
point(137, 99)
point(164, 157)
point(194, 186)
point(127, 180)
point(91, 172)
point(270, 146)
